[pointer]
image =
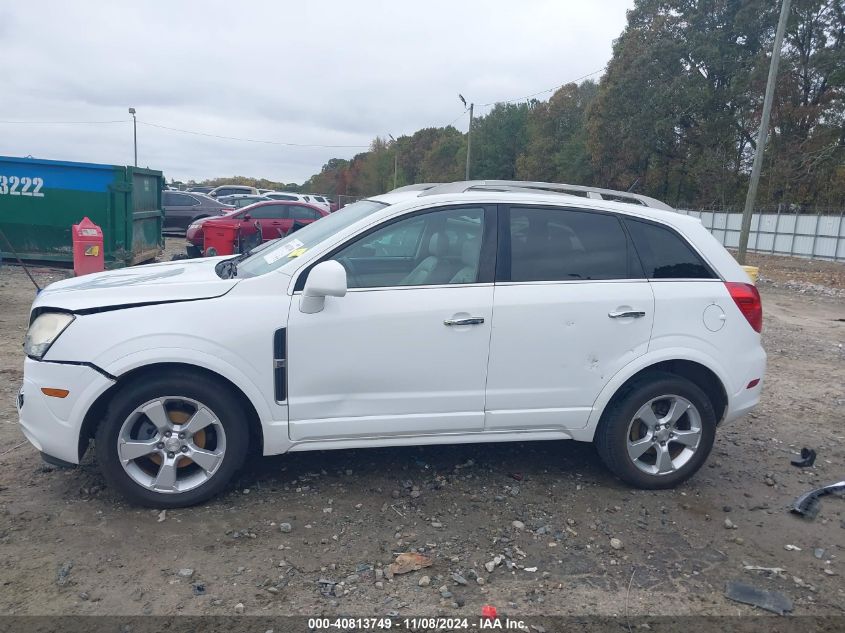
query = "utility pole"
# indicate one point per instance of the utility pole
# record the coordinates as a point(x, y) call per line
point(395, 161)
point(762, 135)
point(469, 134)
point(134, 133)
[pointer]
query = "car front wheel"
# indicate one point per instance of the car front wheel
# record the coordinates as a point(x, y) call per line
point(171, 441)
point(658, 433)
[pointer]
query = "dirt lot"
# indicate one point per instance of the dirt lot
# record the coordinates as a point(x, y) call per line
point(69, 545)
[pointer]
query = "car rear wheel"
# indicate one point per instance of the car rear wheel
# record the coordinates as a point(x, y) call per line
point(658, 433)
point(171, 441)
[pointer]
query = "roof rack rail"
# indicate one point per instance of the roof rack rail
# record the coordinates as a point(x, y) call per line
point(595, 193)
point(420, 186)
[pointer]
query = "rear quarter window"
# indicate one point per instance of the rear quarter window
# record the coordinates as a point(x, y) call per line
point(665, 254)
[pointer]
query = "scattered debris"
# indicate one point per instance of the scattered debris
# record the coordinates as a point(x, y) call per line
point(730, 525)
point(63, 575)
point(162, 516)
point(807, 504)
point(789, 547)
point(285, 528)
point(616, 543)
point(807, 459)
point(770, 570)
point(326, 586)
point(185, 572)
point(407, 562)
point(425, 581)
point(198, 588)
point(773, 601)
point(819, 552)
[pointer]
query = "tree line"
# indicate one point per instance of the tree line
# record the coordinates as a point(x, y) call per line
point(675, 116)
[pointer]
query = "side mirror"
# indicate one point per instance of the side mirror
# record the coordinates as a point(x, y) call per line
point(247, 216)
point(326, 279)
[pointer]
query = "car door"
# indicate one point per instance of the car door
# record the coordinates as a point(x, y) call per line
point(273, 218)
point(404, 353)
point(571, 309)
point(177, 210)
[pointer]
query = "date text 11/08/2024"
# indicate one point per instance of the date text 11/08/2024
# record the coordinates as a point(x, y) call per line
point(488, 621)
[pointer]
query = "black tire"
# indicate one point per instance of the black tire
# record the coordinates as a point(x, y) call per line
point(193, 251)
point(212, 393)
point(611, 438)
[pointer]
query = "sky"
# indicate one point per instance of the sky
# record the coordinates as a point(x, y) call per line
point(313, 72)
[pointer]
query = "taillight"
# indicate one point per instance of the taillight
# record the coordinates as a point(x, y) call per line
point(747, 299)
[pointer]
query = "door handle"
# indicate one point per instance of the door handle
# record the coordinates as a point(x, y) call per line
point(632, 314)
point(466, 321)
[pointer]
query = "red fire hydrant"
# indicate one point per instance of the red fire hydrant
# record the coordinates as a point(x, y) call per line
point(87, 248)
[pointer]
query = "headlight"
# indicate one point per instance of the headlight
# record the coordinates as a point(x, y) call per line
point(43, 331)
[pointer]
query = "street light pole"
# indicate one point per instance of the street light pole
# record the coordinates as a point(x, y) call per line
point(469, 133)
point(762, 135)
point(134, 133)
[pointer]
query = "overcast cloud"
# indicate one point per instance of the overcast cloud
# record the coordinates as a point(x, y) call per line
point(311, 72)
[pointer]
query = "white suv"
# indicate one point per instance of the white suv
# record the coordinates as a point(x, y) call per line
point(465, 312)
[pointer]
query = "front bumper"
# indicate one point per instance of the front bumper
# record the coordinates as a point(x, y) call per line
point(52, 424)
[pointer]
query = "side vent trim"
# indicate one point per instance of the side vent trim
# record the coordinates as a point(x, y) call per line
point(280, 370)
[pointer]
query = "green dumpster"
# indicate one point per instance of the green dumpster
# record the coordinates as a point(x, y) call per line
point(41, 199)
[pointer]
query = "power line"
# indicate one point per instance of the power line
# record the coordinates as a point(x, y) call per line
point(542, 91)
point(245, 140)
point(63, 122)
point(460, 116)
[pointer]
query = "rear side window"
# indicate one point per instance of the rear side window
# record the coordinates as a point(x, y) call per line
point(303, 213)
point(269, 212)
point(665, 254)
point(565, 245)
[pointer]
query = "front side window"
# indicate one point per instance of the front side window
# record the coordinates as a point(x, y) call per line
point(665, 254)
point(439, 247)
point(549, 244)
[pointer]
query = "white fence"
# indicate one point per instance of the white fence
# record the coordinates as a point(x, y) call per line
point(813, 236)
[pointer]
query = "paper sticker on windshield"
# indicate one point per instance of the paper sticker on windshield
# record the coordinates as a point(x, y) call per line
point(297, 252)
point(285, 249)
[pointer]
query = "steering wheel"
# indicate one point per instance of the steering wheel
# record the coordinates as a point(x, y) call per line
point(351, 276)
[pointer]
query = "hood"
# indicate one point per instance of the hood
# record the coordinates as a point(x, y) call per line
point(181, 280)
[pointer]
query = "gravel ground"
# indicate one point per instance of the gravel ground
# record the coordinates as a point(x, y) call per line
point(569, 538)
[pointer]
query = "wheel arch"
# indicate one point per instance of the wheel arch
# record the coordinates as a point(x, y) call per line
point(97, 410)
point(704, 374)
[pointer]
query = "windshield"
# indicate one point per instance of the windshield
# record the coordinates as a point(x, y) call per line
point(284, 249)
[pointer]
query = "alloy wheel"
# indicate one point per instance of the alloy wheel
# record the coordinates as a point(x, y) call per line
point(664, 435)
point(171, 444)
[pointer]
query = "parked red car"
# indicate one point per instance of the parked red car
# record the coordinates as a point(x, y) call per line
point(275, 218)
